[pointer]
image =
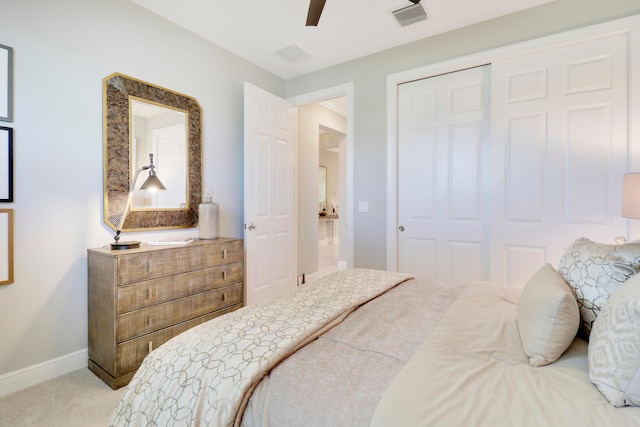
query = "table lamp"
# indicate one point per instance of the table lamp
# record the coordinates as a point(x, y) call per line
point(631, 195)
point(152, 183)
point(630, 199)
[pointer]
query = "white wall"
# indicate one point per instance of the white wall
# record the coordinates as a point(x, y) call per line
point(62, 51)
point(369, 75)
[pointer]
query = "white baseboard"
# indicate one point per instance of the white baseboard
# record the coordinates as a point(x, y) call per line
point(32, 375)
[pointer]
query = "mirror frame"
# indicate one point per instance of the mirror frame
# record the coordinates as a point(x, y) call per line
point(117, 157)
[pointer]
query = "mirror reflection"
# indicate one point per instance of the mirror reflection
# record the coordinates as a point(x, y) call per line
point(159, 130)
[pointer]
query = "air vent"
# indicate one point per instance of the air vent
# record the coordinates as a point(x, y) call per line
point(292, 53)
point(410, 14)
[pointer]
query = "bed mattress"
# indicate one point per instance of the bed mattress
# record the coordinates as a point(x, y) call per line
point(473, 371)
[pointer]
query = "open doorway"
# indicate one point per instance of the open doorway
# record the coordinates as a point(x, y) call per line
point(285, 182)
point(323, 209)
point(330, 172)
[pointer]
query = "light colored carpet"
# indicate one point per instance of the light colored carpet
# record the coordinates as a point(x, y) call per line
point(77, 399)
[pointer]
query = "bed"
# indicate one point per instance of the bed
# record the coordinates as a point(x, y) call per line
point(366, 347)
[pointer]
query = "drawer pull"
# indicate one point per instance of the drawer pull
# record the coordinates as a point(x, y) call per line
point(224, 254)
point(224, 274)
point(224, 297)
point(150, 346)
point(151, 293)
point(148, 320)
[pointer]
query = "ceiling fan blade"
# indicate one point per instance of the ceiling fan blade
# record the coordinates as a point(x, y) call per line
point(315, 10)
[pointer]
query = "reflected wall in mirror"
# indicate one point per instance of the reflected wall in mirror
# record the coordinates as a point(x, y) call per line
point(162, 131)
point(142, 119)
point(322, 190)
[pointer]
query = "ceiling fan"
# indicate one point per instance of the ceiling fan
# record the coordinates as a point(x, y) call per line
point(315, 10)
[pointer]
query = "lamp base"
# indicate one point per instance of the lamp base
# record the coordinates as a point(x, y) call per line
point(131, 244)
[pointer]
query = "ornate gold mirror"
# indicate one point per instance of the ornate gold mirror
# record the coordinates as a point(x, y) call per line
point(142, 119)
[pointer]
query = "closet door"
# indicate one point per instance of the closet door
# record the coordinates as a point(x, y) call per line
point(442, 124)
point(559, 149)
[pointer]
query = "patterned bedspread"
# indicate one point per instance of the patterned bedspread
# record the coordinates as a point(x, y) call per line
point(340, 377)
point(205, 375)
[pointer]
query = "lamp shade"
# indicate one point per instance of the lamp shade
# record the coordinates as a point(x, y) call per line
point(631, 195)
point(152, 183)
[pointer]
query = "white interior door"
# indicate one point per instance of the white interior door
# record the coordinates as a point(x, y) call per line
point(559, 150)
point(441, 134)
point(552, 167)
point(269, 194)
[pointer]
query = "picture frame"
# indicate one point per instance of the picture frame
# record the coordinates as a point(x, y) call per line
point(6, 164)
point(6, 246)
point(6, 83)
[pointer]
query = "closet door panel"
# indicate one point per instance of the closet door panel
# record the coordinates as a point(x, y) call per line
point(590, 152)
point(559, 149)
point(518, 260)
point(421, 160)
point(442, 126)
point(465, 176)
point(525, 167)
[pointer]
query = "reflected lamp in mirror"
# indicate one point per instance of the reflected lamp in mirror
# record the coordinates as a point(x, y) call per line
point(631, 195)
point(152, 183)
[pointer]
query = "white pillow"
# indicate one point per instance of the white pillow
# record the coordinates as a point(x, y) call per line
point(594, 271)
point(548, 316)
point(614, 347)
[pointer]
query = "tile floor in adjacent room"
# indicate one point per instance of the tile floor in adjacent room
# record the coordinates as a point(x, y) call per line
point(328, 256)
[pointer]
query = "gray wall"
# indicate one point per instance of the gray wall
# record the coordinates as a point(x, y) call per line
point(369, 77)
point(63, 49)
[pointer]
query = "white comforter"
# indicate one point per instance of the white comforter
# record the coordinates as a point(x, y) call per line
point(472, 371)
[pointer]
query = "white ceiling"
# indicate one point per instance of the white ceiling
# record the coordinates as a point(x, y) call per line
point(348, 29)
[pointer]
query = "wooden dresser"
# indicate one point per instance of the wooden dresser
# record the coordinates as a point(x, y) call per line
point(140, 298)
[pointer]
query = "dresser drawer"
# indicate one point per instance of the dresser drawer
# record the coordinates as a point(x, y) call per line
point(151, 292)
point(129, 354)
point(144, 321)
point(151, 264)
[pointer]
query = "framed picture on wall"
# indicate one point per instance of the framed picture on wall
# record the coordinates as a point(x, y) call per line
point(6, 164)
point(6, 246)
point(6, 83)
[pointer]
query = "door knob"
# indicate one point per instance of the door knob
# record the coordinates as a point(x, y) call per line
point(401, 228)
point(252, 226)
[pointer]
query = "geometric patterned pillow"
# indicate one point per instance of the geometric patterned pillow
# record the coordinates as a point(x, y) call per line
point(614, 347)
point(594, 271)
